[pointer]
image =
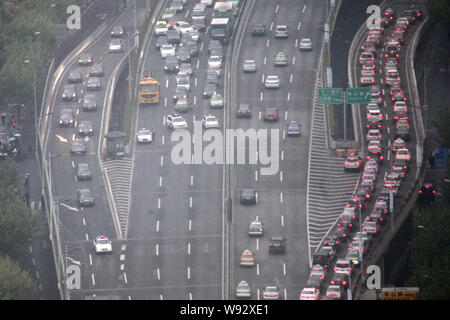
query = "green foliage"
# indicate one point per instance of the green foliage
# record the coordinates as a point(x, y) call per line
point(430, 253)
point(441, 122)
point(15, 284)
point(16, 222)
point(440, 10)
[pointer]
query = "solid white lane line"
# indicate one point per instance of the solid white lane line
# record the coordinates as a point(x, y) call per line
point(289, 97)
point(257, 294)
point(122, 257)
point(190, 295)
point(262, 78)
point(285, 115)
point(165, 102)
point(285, 294)
point(261, 97)
point(296, 43)
point(167, 82)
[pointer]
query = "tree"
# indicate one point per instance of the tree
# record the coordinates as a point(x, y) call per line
point(440, 10)
point(430, 253)
point(15, 284)
point(441, 122)
point(8, 173)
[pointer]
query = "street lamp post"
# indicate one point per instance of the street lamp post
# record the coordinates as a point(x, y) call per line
point(35, 104)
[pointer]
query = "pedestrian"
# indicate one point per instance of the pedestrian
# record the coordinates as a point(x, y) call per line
point(27, 199)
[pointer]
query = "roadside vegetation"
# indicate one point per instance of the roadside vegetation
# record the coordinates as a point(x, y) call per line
point(430, 246)
point(16, 228)
point(439, 10)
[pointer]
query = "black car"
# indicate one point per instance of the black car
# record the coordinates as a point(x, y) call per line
point(313, 282)
point(332, 241)
point(78, 146)
point(247, 196)
point(403, 133)
point(66, 118)
point(243, 111)
point(161, 40)
point(93, 83)
point(198, 24)
point(85, 198)
point(271, 114)
point(85, 59)
point(258, 30)
point(84, 172)
point(345, 222)
point(90, 103)
point(427, 193)
point(74, 76)
point(171, 64)
point(322, 258)
point(340, 279)
point(210, 89)
point(277, 245)
point(173, 37)
point(86, 128)
point(183, 54)
point(182, 105)
point(118, 32)
point(69, 93)
point(180, 92)
point(193, 48)
point(218, 51)
point(96, 70)
point(342, 233)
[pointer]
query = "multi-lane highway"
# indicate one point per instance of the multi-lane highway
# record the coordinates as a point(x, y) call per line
point(281, 200)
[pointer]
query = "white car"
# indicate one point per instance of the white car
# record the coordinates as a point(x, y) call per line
point(199, 7)
point(184, 82)
point(144, 135)
point(215, 61)
point(210, 121)
point(207, 3)
point(167, 50)
point(175, 121)
point(272, 82)
point(249, 66)
point(305, 44)
point(374, 146)
point(183, 27)
point(161, 28)
point(399, 143)
point(115, 45)
point(375, 113)
point(343, 266)
point(403, 154)
point(102, 244)
point(310, 294)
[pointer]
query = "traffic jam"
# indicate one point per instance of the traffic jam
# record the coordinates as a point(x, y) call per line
point(339, 255)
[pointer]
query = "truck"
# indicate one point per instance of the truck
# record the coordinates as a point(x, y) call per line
point(148, 90)
point(223, 9)
point(220, 29)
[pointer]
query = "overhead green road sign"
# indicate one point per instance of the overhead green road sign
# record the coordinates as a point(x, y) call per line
point(358, 95)
point(329, 96)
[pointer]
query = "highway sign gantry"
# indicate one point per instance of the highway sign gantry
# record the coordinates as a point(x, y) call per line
point(358, 95)
point(329, 96)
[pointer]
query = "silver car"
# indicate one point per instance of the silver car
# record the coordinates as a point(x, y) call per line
point(272, 82)
point(115, 45)
point(305, 44)
point(271, 293)
point(249, 66)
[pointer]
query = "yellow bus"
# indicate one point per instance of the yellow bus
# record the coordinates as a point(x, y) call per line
point(148, 90)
